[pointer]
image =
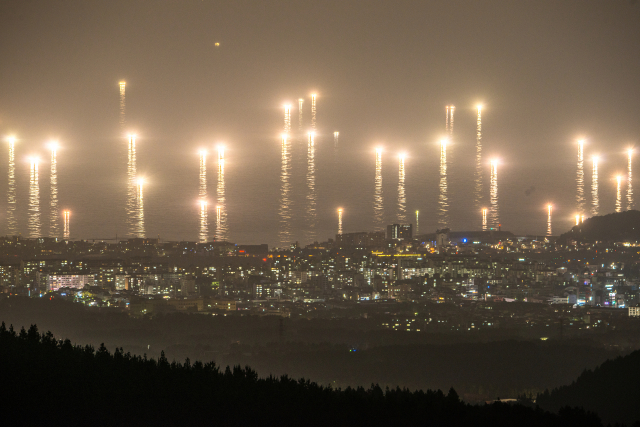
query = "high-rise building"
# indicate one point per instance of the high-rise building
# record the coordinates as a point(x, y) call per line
point(400, 232)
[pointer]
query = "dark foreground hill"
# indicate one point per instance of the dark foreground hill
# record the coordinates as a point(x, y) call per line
point(614, 227)
point(50, 382)
point(612, 390)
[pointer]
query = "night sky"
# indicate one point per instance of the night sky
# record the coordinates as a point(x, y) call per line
point(547, 72)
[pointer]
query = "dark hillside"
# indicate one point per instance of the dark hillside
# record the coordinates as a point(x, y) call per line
point(612, 390)
point(50, 382)
point(615, 227)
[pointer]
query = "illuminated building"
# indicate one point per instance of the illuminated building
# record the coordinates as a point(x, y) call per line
point(400, 232)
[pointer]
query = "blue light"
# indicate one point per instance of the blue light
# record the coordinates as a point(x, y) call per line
point(464, 240)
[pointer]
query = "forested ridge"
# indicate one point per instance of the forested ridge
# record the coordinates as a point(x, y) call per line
point(48, 381)
point(612, 390)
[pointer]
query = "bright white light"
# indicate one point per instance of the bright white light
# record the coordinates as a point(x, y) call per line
point(140, 181)
point(53, 145)
point(220, 152)
point(11, 139)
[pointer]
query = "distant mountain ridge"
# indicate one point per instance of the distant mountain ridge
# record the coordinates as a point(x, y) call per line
point(614, 227)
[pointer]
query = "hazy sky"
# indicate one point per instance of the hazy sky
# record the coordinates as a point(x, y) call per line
point(545, 69)
point(548, 72)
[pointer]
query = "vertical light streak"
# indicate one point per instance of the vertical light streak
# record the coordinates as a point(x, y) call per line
point(34, 200)
point(417, 222)
point(122, 105)
point(619, 194)
point(139, 225)
point(446, 120)
point(54, 227)
point(300, 102)
point(12, 225)
point(131, 207)
point(629, 182)
point(287, 118)
point(378, 208)
point(484, 219)
point(218, 221)
point(478, 177)
point(221, 209)
point(443, 219)
point(549, 210)
point(452, 110)
point(402, 200)
point(311, 189)
point(66, 230)
point(202, 191)
point(493, 193)
point(595, 198)
point(577, 219)
point(340, 221)
point(336, 135)
point(204, 223)
point(313, 111)
point(285, 198)
point(580, 178)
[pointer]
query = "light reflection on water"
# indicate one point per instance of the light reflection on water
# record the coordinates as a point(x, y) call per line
point(221, 208)
point(402, 198)
point(285, 190)
point(595, 198)
point(12, 224)
point(378, 208)
point(66, 229)
point(580, 200)
point(34, 201)
point(629, 182)
point(203, 234)
point(443, 201)
point(310, 234)
point(261, 174)
point(54, 226)
point(478, 171)
point(131, 187)
point(204, 225)
point(495, 213)
point(139, 213)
